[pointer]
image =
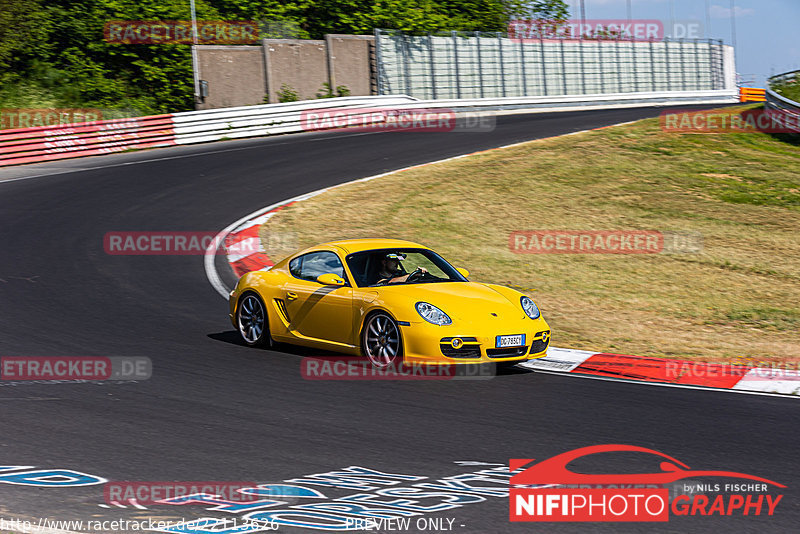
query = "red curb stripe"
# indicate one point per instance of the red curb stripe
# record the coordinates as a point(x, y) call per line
point(660, 370)
point(241, 235)
point(253, 262)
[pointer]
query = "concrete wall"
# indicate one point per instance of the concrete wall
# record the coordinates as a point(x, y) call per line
point(243, 75)
point(351, 62)
point(235, 75)
point(300, 64)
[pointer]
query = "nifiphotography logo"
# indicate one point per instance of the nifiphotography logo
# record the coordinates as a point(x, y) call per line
point(550, 491)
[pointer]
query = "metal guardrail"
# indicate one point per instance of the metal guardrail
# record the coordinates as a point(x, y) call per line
point(752, 94)
point(787, 110)
point(47, 143)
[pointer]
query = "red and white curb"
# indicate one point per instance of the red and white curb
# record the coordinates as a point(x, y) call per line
point(668, 372)
point(245, 253)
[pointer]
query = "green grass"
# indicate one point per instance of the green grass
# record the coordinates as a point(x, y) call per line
point(736, 298)
point(789, 90)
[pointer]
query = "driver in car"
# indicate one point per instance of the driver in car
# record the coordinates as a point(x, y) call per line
point(391, 273)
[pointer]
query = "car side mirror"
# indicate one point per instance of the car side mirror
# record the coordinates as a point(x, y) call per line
point(464, 272)
point(330, 279)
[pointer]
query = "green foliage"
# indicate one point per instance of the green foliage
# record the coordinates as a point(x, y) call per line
point(552, 10)
point(789, 89)
point(287, 94)
point(326, 92)
point(53, 52)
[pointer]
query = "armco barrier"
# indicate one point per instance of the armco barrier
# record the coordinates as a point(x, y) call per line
point(751, 94)
point(786, 110)
point(46, 143)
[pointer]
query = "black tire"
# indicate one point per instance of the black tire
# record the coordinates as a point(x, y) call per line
point(252, 321)
point(381, 342)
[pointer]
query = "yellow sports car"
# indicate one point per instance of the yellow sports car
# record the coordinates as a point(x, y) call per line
point(390, 301)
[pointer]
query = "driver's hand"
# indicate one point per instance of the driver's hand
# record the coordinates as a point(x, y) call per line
point(422, 270)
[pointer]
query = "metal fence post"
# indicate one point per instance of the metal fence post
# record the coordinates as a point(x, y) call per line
point(480, 62)
point(652, 66)
point(667, 62)
point(455, 54)
point(600, 62)
point(432, 66)
point(683, 65)
point(379, 61)
point(619, 66)
point(406, 67)
point(712, 64)
point(544, 66)
point(522, 65)
point(501, 60)
point(634, 54)
point(583, 66)
point(563, 67)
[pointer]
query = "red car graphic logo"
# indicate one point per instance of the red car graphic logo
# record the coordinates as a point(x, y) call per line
point(554, 470)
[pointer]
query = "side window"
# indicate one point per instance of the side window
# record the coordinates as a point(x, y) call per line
point(310, 266)
point(295, 266)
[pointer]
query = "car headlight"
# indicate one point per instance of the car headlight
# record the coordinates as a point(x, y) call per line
point(432, 314)
point(530, 308)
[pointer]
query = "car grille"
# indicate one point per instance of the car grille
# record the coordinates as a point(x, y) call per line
point(539, 345)
point(506, 352)
point(470, 348)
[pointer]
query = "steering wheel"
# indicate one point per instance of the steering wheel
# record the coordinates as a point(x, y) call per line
point(415, 275)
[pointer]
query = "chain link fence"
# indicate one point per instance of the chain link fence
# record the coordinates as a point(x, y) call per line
point(491, 65)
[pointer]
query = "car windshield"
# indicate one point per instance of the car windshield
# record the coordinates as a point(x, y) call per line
point(389, 266)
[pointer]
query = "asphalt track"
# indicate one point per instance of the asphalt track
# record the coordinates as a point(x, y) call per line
point(215, 410)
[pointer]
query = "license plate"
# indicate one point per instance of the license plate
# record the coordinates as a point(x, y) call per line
point(510, 341)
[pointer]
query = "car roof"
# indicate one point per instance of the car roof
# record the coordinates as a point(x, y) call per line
point(357, 245)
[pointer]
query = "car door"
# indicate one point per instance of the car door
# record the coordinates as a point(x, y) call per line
point(315, 310)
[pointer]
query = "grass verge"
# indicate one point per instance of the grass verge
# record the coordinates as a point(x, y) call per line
point(738, 300)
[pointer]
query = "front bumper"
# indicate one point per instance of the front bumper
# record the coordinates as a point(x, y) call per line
point(424, 342)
